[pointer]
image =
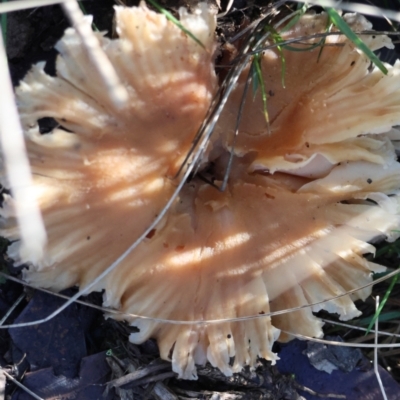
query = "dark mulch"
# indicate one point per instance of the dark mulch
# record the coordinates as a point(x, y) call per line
point(79, 355)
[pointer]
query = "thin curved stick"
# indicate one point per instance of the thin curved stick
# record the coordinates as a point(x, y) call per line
point(12, 308)
point(19, 384)
point(376, 369)
point(358, 328)
point(299, 336)
point(358, 8)
point(183, 322)
point(342, 344)
point(228, 8)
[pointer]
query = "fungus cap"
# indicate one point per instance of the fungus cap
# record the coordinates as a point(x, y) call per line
point(208, 276)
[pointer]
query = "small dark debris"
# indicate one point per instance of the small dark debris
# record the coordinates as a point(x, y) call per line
point(356, 385)
point(151, 233)
point(89, 385)
point(47, 124)
point(328, 358)
point(59, 343)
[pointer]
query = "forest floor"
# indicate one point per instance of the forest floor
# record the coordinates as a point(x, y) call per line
point(80, 355)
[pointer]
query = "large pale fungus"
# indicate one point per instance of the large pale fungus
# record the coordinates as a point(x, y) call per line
point(103, 183)
point(302, 204)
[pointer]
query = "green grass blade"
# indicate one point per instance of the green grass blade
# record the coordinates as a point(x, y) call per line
point(171, 18)
point(3, 22)
point(82, 7)
point(379, 275)
point(383, 317)
point(297, 49)
point(342, 25)
point(389, 249)
point(382, 304)
point(299, 13)
point(283, 69)
point(278, 39)
point(260, 82)
point(254, 80)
